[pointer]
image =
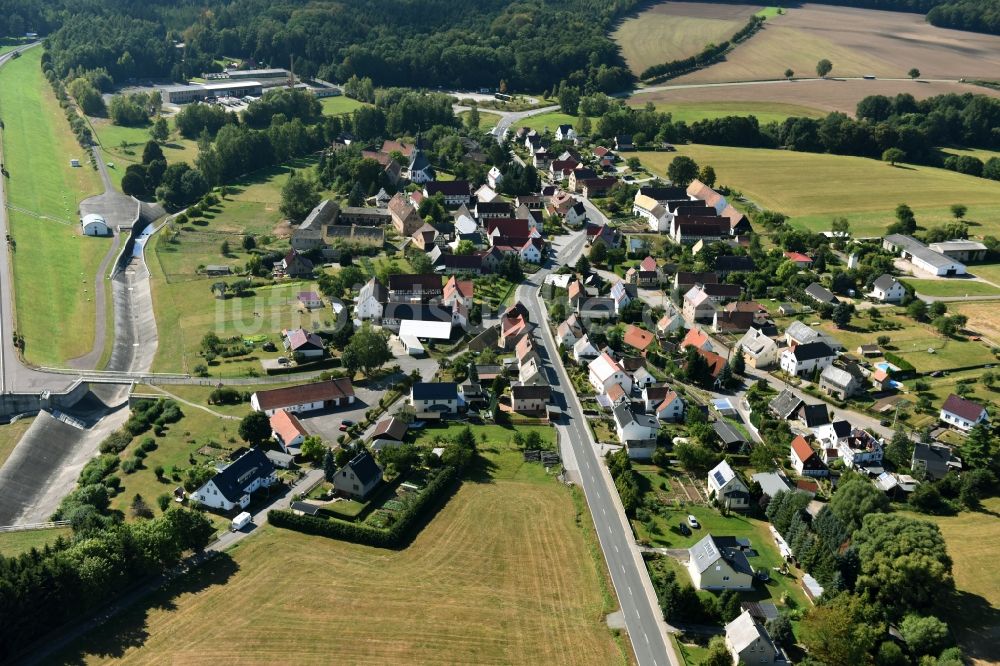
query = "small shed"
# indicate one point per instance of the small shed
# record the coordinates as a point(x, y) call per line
point(93, 224)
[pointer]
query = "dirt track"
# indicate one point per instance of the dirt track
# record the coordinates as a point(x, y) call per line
point(830, 95)
point(858, 42)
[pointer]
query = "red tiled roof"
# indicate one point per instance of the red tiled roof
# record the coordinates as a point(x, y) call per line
point(715, 362)
point(647, 264)
point(304, 393)
point(638, 338)
point(798, 257)
point(286, 426)
point(802, 449)
point(615, 391)
point(694, 338)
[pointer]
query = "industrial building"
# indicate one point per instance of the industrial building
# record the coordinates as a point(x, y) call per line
point(200, 92)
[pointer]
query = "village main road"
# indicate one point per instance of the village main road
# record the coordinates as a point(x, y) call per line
point(643, 618)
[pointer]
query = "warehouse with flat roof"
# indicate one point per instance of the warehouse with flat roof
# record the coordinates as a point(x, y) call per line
point(200, 92)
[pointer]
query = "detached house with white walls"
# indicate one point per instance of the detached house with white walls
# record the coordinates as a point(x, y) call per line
point(803, 360)
point(963, 414)
point(233, 485)
point(604, 372)
point(727, 488)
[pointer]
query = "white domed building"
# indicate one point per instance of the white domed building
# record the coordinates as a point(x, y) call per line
point(93, 224)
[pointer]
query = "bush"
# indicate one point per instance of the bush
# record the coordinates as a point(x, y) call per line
point(115, 442)
point(363, 534)
point(129, 466)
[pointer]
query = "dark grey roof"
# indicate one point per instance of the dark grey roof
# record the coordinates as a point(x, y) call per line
point(419, 161)
point(365, 468)
point(662, 194)
point(734, 263)
point(417, 312)
point(821, 293)
point(232, 480)
point(727, 433)
point(785, 404)
point(884, 282)
point(435, 391)
point(933, 458)
point(842, 428)
point(813, 350)
point(624, 415)
point(305, 507)
point(815, 415)
point(711, 549)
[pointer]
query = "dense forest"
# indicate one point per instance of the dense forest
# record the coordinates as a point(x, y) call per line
point(528, 44)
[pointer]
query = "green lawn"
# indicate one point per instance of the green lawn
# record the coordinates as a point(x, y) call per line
point(487, 120)
point(123, 145)
point(487, 436)
point(549, 121)
point(769, 12)
point(765, 112)
point(10, 435)
point(666, 534)
point(973, 538)
point(15, 543)
point(867, 191)
point(953, 287)
point(911, 342)
point(339, 105)
point(55, 313)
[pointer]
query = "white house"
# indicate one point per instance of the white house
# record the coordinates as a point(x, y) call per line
point(358, 477)
point(887, 289)
point(719, 563)
point(655, 213)
point(725, 486)
point(305, 397)
point(839, 383)
point(605, 372)
point(371, 301)
point(287, 431)
point(802, 360)
point(232, 486)
point(636, 432)
point(749, 643)
point(530, 253)
point(93, 224)
point(671, 408)
point(565, 133)
point(963, 414)
point(698, 305)
point(569, 331)
point(494, 178)
point(576, 215)
point(434, 399)
point(583, 350)
point(805, 462)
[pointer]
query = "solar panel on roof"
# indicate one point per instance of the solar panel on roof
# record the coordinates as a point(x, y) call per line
point(720, 479)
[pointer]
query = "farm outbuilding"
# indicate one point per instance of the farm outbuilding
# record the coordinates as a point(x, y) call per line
point(93, 224)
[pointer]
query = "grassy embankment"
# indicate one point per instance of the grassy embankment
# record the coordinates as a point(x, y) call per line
point(54, 265)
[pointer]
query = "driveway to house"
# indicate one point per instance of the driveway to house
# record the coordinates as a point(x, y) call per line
point(643, 617)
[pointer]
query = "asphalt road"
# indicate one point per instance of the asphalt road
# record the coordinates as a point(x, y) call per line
point(642, 615)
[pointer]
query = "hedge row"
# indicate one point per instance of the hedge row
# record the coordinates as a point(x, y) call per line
point(899, 362)
point(363, 534)
point(708, 55)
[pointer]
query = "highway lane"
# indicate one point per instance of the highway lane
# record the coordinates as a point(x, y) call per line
point(643, 618)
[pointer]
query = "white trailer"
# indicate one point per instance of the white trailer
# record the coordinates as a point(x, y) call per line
point(240, 521)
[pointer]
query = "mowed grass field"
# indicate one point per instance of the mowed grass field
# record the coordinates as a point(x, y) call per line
point(123, 145)
point(857, 42)
point(15, 543)
point(973, 539)
point(502, 574)
point(549, 121)
point(487, 120)
point(947, 288)
point(54, 265)
point(982, 316)
point(814, 188)
point(674, 30)
point(339, 105)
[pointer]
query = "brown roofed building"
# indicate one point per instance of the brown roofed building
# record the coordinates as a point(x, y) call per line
point(405, 218)
point(305, 397)
point(638, 338)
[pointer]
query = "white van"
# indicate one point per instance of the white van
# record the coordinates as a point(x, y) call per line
point(240, 521)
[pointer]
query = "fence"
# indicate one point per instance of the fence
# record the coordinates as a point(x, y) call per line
point(34, 526)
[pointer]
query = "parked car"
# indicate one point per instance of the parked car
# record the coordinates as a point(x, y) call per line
point(685, 530)
point(693, 522)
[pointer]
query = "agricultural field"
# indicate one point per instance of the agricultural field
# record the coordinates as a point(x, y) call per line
point(15, 543)
point(819, 96)
point(123, 145)
point(37, 147)
point(973, 612)
point(675, 30)
point(765, 112)
point(524, 586)
point(339, 105)
point(857, 42)
point(10, 435)
point(952, 288)
point(866, 193)
point(982, 318)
